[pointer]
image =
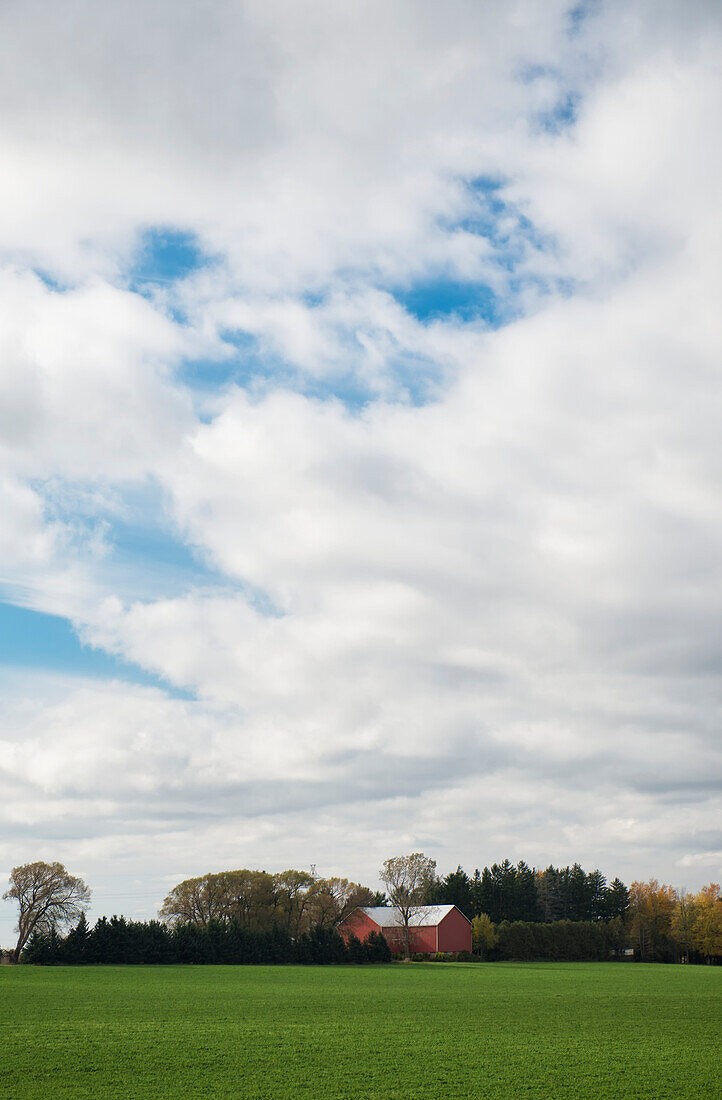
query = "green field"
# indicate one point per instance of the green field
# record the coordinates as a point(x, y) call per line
point(423, 1031)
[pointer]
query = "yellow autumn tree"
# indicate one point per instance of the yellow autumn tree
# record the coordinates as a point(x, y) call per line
point(707, 922)
point(483, 936)
point(650, 913)
point(683, 921)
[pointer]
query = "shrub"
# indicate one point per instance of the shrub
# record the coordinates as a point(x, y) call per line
point(377, 948)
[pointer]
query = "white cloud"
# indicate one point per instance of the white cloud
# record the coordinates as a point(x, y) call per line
point(295, 140)
point(487, 625)
point(85, 380)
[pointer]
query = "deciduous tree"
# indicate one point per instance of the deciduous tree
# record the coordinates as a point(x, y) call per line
point(707, 922)
point(651, 908)
point(196, 900)
point(249, 897)
point(408, 881)
point(49, 899)
point(292, 889)
point(331, 900)
point(483, 935)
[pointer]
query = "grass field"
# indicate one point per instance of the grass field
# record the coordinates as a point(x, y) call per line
point(368, 1033)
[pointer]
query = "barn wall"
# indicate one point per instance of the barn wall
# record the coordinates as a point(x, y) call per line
point(454, 932)
point(421, 940)
point(357, 924)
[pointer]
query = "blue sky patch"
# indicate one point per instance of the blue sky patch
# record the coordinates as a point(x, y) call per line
point(141, 553)
point(158, 561)
point(442, 298)
point(166, 255)
point(512, 237)
point(410, 379)
point(240, 366)
point(35, 640)
point(561, 115)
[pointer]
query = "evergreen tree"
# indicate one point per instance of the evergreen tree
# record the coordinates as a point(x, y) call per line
point(579, 895)
point(597, 887)
point(455, 889)
point(191, 944)
point(37, 950)
point(75, 948)
point(377, 948)
point(550, 892)
point(356, 950)
point(100, 945)
point(488, 896)
point(617, 901)
point(476, 893)
point(526, 898)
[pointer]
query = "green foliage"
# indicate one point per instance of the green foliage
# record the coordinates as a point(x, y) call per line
point(563, 940)
point(455, 889)
point(483, 935)
point(127, 942)
point(76, 943)
point(369, 1033)
point(255, 900)
point(505, 892)
point(448, 956)
point(617, 901)
point(377, 948)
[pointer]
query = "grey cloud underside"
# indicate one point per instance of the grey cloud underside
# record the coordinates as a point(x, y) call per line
point(366, 778)
point(484, 621)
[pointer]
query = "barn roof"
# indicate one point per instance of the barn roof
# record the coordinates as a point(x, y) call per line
point(422, 916)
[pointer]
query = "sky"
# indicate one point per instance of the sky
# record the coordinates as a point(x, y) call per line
point(360, 459)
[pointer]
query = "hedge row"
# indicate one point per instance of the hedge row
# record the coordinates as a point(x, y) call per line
point(562, 940)
point(125, 941)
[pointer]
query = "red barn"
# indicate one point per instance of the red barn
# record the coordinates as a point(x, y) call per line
point(431, 928)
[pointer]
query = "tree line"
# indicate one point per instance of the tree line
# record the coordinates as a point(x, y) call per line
point(121, 941)
point(253, 916)
point(508, 892)
point(567, 913)
point(658, 925)
point(294, 900)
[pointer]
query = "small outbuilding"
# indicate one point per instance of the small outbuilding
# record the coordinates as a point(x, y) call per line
point(432, 928)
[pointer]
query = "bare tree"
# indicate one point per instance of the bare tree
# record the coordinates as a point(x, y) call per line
point(49, 898)
point(408, 880)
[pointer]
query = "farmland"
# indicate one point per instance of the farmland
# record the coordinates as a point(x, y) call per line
point(367, 1033)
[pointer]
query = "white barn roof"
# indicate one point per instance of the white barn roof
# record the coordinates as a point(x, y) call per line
point(422, 916)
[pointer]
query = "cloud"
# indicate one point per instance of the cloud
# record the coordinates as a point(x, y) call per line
point(84, 380)
point(293, 142)
point(471, 607)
